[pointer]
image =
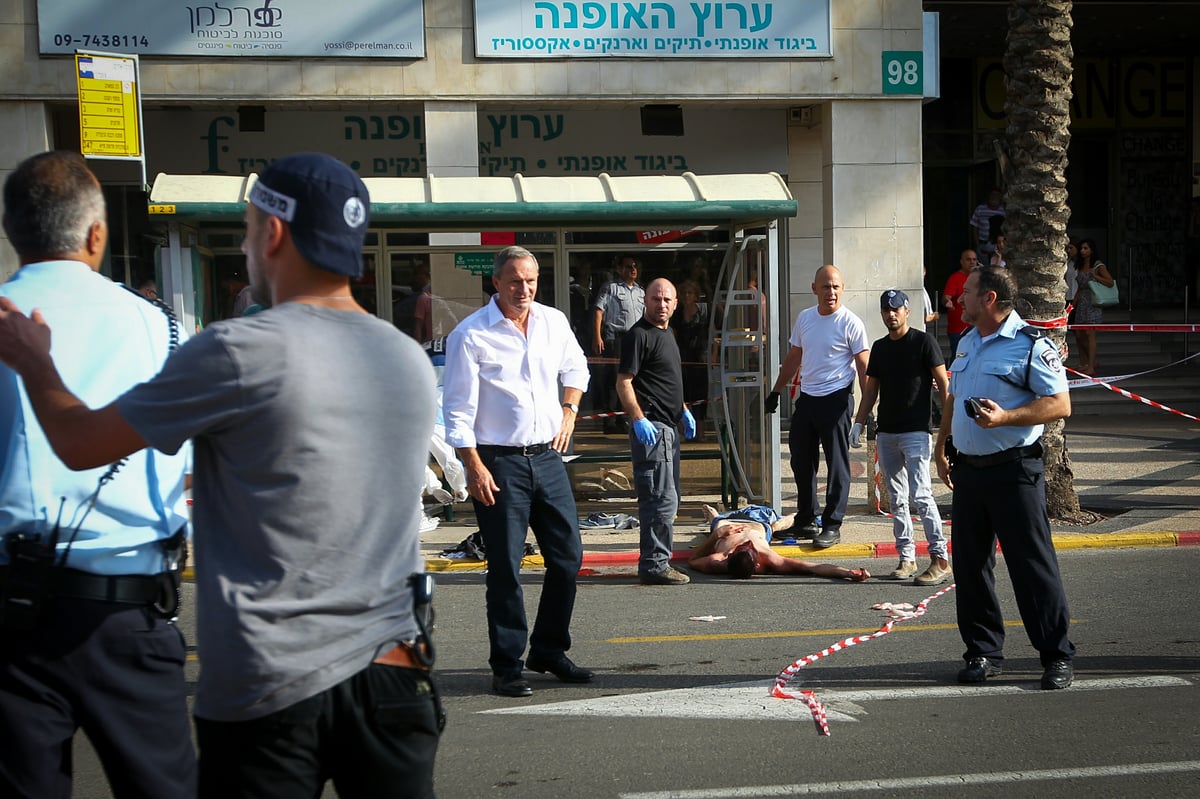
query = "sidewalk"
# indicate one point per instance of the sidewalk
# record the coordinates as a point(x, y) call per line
point(1140, 472)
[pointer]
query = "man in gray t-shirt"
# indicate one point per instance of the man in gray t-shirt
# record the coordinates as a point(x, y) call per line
point(310, 423)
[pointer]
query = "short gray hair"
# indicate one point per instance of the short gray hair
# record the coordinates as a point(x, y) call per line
point(999, 280)
point(513, 252)
point(51, 201)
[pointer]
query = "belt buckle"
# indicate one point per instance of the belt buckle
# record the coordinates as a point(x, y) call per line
point(529, 450)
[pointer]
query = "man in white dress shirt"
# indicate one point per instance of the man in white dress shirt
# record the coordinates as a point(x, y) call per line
point(503, 414)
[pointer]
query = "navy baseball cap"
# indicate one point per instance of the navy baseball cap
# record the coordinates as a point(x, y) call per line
point(325, 204)
point(893, 298)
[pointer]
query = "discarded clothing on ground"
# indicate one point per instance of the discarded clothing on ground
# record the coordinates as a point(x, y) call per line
point(472, 548)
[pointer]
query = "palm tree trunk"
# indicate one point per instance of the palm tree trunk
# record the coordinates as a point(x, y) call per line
point(1037, 63)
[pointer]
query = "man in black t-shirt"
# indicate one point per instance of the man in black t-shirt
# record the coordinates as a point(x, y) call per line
point(904, 366)
point(650, 386)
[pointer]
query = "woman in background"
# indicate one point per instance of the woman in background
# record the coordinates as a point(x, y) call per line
point(1088, 267)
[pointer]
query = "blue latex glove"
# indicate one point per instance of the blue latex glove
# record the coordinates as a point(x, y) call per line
point(645, 431)
point(689, 424)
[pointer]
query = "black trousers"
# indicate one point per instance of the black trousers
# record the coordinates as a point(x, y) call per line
point(374, 734)
point(1006, 502)
point(821, 423)
point(114, 670)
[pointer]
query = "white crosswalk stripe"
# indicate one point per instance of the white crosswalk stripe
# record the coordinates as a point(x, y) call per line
point(752, 700)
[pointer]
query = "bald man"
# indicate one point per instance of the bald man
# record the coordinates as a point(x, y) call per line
point(829, 348)
point(650, 386)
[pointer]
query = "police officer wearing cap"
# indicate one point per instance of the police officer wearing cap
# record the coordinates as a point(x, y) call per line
point(1006, 383)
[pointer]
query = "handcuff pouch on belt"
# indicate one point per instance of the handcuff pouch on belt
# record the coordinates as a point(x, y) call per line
point(26, 584)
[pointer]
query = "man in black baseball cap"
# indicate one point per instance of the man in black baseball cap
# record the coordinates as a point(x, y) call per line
point(311, 424)
point(893, 298)
point(904, 366)
point(325, 205)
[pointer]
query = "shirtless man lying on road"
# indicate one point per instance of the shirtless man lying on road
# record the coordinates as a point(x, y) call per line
point(739, 546)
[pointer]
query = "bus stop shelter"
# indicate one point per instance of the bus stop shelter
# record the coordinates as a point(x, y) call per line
point(452, 226)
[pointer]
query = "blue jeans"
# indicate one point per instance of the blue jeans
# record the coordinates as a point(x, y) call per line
point(535, 492)
point(656, 477)
point(904, 459)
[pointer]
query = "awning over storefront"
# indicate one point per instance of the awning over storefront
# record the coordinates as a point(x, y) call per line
point(480, 202)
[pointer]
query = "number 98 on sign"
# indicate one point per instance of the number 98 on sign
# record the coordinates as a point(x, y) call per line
point(902, 72)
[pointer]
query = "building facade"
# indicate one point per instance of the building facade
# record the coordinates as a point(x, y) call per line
point(461, 88)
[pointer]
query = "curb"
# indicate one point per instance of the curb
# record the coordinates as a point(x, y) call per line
point(882, 549)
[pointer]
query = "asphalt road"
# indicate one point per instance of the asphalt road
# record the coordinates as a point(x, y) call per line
point(681, 708)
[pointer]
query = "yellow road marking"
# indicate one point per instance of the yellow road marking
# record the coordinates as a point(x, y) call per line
point(654, 639)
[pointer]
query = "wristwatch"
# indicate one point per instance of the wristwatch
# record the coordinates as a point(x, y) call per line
point(574, 408)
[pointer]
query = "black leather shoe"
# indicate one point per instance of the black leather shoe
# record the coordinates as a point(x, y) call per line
point(561, 667)
point(511, 685)
point(808, 531)
point(1058, 675)
point(979, 669)
point(828, 537)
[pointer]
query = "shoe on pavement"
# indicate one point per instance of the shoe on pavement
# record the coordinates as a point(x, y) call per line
point(561, 667)
point(828, 537)
point(903, 571)
point(978, 670)
point(511, 685)
point(938, 572)
point(1058, 675)
point(668, 576)
point(808, 531)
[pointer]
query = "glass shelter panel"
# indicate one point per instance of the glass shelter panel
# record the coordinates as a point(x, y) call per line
point(739, 328)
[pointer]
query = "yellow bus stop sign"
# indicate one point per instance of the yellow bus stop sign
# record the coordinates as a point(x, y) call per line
point(109, 122)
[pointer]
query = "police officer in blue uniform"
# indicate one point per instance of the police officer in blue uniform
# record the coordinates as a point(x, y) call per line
point(88, 560)
point(1006, 383)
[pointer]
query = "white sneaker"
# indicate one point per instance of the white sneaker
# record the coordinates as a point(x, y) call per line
point(905, 570)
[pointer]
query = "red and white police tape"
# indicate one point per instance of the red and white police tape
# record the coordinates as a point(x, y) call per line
point(896, 613)
point(1101, 382)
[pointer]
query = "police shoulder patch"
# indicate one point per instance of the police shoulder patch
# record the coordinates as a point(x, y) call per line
point(1051, 358)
